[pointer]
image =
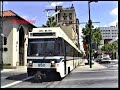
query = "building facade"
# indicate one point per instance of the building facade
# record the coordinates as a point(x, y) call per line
point(109, 33)
point(66, 18)
point(1, 40)
point(16, 31)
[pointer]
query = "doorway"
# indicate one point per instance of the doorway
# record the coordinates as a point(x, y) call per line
point(21, 47)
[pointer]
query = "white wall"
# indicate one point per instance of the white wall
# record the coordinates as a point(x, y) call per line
point(16, 43)
point(12, 33)
point(7, 31)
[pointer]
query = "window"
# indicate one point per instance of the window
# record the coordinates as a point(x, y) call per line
point(64, 14)
point(70, 22)
point(58, 16)
point(70, 16)
point(65, 17)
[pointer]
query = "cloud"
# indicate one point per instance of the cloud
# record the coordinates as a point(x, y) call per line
point(113, 23)
point(114, 11)
point(56, 4)
point(53, 4)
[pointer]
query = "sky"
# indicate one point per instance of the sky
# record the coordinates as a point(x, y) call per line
point(105, 12)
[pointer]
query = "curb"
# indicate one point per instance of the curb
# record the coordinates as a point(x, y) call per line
point(7, 70)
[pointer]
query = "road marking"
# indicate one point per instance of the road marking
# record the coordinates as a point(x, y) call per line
point(11, 84)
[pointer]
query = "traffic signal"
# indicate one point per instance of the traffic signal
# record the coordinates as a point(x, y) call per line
point(5, 40)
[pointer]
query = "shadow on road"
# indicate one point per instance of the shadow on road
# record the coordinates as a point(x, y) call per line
point(32, 80)
point(17, 77)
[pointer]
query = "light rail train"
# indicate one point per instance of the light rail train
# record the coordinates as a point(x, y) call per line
point(50, 50)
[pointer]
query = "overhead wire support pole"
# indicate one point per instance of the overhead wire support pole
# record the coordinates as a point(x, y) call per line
point(90, 36)
point(1, 35)
point(90, 24)
point(48, 15)
point(53, 9)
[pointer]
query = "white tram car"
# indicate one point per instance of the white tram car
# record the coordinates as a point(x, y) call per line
point(51, 51)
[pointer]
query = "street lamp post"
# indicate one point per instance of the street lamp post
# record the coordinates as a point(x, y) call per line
point(90, 22)
point(90, 38)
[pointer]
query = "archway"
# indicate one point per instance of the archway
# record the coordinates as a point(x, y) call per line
point(21, 47)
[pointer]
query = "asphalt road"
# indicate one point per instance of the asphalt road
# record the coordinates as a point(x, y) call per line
point(104, 78)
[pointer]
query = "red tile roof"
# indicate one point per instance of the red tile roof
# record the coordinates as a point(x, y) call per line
point(8, 13)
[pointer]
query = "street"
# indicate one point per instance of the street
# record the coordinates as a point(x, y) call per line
point(102, 78)
point(65, 45)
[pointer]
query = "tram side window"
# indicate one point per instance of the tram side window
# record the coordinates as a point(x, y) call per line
point(58, 48)
point(75, 53)
point(69, 50)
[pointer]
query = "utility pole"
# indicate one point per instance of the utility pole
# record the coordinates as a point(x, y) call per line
point(50, 17)
point(90, 26)
point(1, 35)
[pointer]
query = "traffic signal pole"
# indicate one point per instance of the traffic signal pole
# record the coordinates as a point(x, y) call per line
point(90, 38)
point(90, 24)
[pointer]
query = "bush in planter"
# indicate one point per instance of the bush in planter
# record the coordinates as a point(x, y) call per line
point(8, 66)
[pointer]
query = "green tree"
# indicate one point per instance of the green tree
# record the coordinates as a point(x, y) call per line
point(109, 48)
point(50, 22)
point(96, 34)
point(96, 37)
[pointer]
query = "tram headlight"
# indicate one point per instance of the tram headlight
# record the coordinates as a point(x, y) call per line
point(30, 61)
point(30, 64)
point(52, 63)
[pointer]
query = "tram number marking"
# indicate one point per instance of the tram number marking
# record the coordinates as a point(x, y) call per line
point(41, 65)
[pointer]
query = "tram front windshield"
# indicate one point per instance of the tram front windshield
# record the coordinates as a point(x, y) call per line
point(44, 47)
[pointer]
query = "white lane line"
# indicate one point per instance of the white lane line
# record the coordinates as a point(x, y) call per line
point(11, 84)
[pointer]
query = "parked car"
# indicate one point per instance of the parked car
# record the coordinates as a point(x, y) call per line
point(105, 60)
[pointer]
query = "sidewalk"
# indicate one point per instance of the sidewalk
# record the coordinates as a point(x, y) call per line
point(18, 69)
point(95, 66)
